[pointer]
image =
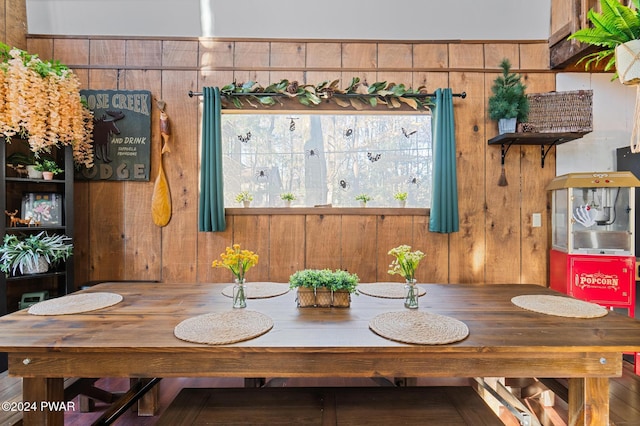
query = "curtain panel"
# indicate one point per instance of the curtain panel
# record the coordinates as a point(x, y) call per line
point(211, 208)
point(444, 203)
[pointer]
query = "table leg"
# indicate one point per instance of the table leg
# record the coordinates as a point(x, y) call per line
point(589, 401)
point(46, 401)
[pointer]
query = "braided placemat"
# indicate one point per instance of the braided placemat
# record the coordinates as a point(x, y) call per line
point(559, 306)
point(419, 327)
point(75, 303)
point(260, 290)
point(222, 328)
point(386, 290)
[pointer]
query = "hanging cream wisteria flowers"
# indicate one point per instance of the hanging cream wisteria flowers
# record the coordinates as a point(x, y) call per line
point(40, 102)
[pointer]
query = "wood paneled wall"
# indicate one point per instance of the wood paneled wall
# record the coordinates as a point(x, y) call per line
point(13, 23)
point(116, 239)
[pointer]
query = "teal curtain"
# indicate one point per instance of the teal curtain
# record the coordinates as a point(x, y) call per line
point(444, 204)
point(211, 211)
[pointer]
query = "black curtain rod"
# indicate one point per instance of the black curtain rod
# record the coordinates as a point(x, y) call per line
point(407, 95)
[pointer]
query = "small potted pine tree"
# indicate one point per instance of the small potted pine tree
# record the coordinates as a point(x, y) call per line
point(508, 104)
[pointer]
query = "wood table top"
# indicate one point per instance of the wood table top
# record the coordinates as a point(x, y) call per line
point(135, 338)
point(145, 320)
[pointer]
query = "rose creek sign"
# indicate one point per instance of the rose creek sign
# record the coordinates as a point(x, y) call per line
point(121, 134)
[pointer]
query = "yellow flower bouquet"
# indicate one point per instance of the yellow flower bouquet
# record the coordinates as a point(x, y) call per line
point(236, 260)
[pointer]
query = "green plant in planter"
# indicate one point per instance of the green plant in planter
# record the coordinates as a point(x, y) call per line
point(508, 99)
point(343, 281)
point(20, 253)
point(46, 165)
point(400, 196)
point(244, 196)
point(616, 25)
point(287, 196)
point(308, 278)
point(324, 278)
point(363, 198)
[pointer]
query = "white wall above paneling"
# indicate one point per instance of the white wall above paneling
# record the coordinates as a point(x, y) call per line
point(613, 107)
point(329, 19)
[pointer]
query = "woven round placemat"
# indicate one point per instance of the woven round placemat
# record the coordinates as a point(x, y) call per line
point(559, 306)
point(222, 328)
point(260, 290)
point(386, 290)
point(419, 327)
point(75, 303)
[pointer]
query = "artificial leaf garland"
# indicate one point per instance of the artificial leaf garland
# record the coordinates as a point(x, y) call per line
point(357, 95)
point(40, 101)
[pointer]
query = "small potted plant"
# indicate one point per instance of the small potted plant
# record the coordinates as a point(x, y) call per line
point(508, 104)
point(364, 199)
point(401, 197)
point(245, 198)
point(305, 283)
point(342, 285)
point(287, 197)
point(33, 253)
point(49, 168)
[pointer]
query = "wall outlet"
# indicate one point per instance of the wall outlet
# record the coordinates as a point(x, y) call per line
point(536, 220)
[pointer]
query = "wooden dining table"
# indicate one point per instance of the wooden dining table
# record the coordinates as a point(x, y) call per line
point(135, 338)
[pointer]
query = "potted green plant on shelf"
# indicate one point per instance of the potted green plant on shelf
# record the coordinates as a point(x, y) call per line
point(21, 163)
point(33, 253)
point(508, 104)
point(49, 168)
point(401, 197)
point(287, 197)
point(245, 198)
point(364, 199)
point(616, 31)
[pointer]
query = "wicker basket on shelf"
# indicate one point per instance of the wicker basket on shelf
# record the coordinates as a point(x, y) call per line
point(560, 112)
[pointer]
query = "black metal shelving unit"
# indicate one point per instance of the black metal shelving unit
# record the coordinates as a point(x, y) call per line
point(62, 278)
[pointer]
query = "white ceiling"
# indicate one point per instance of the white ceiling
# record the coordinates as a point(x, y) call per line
point(296, 19)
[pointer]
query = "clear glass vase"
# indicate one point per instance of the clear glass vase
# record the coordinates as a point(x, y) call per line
point(411, 294)
point(239, 294)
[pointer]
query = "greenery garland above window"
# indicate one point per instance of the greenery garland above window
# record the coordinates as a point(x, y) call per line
point(357, 95)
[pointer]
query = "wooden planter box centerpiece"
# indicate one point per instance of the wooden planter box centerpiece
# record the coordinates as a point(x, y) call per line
point(323, 288)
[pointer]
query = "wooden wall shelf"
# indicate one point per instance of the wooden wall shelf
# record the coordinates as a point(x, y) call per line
point(548, 140)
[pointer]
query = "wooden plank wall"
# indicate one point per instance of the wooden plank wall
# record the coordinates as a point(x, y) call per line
point(115, 237)
point(13, 23)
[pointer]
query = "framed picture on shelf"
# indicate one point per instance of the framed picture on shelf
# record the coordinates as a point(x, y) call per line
point(42, 208)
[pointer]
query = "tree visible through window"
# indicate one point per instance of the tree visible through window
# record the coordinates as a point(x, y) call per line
point(327, 158)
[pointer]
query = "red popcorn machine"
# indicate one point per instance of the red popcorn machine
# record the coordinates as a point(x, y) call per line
point(592, 238)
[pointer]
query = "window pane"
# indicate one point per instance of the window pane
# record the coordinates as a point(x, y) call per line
point(327, 159)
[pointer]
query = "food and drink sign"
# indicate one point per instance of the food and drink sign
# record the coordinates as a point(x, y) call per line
point(121, 134)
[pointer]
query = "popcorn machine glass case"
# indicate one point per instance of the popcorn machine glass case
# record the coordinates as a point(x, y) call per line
point(592, 235)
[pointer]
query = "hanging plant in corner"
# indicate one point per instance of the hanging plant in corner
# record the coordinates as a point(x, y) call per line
point(357, 95)
point(616, 31)
point(508, 104)
point(40, 102)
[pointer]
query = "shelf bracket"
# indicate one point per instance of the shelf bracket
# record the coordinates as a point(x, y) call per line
point(544, 152)
point(503, 152)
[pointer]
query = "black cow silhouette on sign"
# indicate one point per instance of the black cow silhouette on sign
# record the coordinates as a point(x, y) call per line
point(103, 128)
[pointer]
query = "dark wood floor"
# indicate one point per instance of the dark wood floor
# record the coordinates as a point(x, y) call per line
point(625, 398)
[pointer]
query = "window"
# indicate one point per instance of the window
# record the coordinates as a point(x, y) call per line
point(327, 158)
